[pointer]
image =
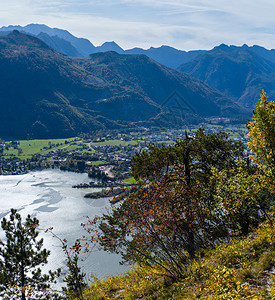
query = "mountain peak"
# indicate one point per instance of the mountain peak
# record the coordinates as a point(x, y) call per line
point(16, 38)
point(37, 25)
point(222, 47)
point(15, 32)
point(110, 43)
point(110, 46)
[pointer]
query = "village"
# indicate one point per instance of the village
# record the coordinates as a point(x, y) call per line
point(105, 155)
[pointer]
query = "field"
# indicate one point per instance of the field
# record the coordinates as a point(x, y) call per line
point(130, 180)
point(27, 148)
point(96, 163)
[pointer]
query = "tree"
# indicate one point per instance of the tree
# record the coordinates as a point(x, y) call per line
point(154, 162)
point(172, 213)
point(75, 279)
point(243, 197)
point(201, 153)
point(262, 138)
point(20, 256)
point(81, 165)
point(158, 224)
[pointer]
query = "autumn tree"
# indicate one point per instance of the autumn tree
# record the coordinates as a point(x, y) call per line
point(198, 155)
point(20, 257)
point(243, 197)
point(172, 212)
point(245, 192)
point(158, 224)
point(262, 138)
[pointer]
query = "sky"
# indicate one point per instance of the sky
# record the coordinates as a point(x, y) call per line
point(183, 24)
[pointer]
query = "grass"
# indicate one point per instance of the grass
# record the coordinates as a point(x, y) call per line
point(240, 269)
point(29, 148)
point(130, 180)
point(32, 147)
point(90, 151)
point(70, 148)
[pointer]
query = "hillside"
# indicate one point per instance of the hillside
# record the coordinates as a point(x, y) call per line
point(241, 269)
point(41, 92)
point(154, 83)
point(59, 44)
point(238, 72)
point(59, 96)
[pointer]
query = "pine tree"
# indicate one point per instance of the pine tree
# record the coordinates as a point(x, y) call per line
point(20, 256)
point(75, 279)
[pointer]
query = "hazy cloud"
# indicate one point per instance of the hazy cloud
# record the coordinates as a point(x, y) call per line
point(184, 24)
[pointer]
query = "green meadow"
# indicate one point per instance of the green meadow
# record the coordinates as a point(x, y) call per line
point(28, 148)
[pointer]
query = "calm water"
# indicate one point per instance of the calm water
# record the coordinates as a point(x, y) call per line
point(49, 196)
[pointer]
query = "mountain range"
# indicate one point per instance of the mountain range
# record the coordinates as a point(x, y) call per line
point(44, 93)
point(240, 73)
point(65, 43)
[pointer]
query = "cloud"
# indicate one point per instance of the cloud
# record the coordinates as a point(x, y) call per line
point(184, 24)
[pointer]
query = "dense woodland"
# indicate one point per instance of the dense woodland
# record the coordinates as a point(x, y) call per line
point(199, 223)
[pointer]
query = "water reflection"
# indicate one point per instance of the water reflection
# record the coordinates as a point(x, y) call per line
point(49, 196)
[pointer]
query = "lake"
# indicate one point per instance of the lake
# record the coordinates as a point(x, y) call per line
point(48, 195)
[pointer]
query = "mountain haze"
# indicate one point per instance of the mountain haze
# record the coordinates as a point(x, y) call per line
point(58, 39)
point(59, 44)
point(167, 56)
point(109, 46)
point(83, 46)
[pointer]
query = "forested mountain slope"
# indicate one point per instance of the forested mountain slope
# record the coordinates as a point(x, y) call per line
point(238, 72)
point(46, 94)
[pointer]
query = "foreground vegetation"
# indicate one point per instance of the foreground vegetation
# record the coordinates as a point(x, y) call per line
point(241, 269)
point(193, 219)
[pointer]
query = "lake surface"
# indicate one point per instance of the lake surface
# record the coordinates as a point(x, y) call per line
point(48, 195)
